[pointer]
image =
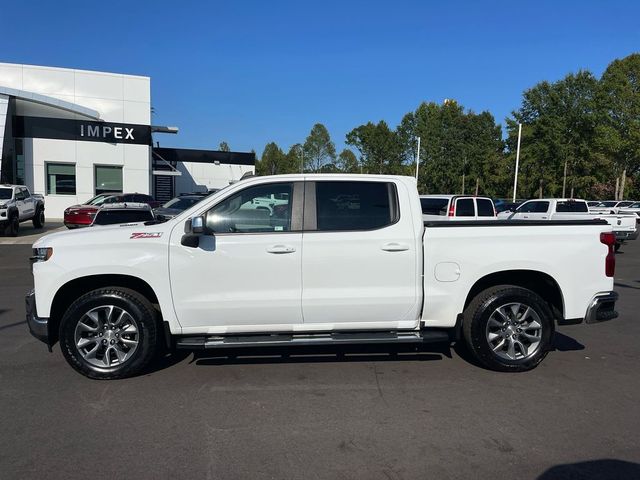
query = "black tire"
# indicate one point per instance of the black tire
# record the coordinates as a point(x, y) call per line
point(142, 313)
point(13, 226)
point(38, 218)
point(476, 318)
point(617, 246)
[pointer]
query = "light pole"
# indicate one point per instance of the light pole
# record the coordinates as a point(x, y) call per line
point(515, 180)
point(417, 159)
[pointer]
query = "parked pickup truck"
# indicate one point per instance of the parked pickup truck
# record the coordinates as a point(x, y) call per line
point(624, 224)
point(17, 204)
point(320, 271)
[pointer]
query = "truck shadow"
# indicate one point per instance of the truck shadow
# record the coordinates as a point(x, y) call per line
point(561, 343)
point(605, 469)
point(332, 354)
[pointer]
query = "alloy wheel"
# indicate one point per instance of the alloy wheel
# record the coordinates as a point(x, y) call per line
point(107, 336)
point(514, 331)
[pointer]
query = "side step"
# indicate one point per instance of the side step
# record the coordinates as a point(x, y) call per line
point(283, 339)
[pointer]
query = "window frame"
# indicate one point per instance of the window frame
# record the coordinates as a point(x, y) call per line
point(47, 188)
point(310, 219)
point(297, 200)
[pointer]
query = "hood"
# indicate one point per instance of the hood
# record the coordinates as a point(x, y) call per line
point(167, 211)
point(105, 235)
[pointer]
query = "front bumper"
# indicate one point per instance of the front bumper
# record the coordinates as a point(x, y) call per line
point(39, 327)
point(602, 308)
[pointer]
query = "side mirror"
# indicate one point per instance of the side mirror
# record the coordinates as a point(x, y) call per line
point(193, 229)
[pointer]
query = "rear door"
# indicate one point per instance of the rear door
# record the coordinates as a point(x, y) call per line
point(359, 259)
point(28, 203)
point(485, 209)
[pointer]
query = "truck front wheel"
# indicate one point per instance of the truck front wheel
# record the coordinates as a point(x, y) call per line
point(109, 333)
point(13, 226)
point(508, 328)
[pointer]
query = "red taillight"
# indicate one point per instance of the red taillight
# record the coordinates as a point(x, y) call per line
point(609, 239)
point(452, 209)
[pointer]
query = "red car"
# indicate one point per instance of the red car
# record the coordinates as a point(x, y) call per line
point(82, 215)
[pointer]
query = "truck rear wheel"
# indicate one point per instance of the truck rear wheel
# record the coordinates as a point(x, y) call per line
point(109, 333)
point(508, 328)
point(38, 218)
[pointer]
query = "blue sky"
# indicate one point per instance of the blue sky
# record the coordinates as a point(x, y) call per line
point(250, 72)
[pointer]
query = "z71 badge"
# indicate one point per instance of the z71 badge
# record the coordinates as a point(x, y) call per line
point(145, 235)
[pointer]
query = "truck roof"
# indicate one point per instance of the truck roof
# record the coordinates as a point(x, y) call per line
point(555, 199)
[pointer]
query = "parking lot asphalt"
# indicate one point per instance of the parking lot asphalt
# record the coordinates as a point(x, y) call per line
point(362, 413)
point(27, 234)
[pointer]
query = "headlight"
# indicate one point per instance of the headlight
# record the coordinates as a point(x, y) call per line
point(41, 254)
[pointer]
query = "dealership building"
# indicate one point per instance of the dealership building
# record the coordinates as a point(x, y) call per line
point(71, 134)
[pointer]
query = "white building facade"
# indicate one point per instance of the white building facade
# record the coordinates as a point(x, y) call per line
point(71, 134)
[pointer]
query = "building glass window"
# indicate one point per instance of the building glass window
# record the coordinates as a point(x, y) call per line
point(61, 179)
point(108, 179)
point(19, 161)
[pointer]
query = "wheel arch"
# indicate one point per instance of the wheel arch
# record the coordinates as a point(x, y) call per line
point(539, 282)
point(77, 287)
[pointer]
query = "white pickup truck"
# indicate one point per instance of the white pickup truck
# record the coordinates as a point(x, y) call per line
point(17, 204)
point(624, 224)
point(225, 274)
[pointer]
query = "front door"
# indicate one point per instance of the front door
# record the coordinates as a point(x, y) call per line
point(360, 258)
point(247, 270)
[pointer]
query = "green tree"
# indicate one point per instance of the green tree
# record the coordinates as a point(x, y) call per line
point(318, 148)
point(273, 161)
point(347, 162)
point(619, 130)
point(558, 136)
point(458, 149)
point(295, 157)
point(224, 147)
point(379, 147)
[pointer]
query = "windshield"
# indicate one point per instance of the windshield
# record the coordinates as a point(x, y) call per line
point(111, 217)
point(434, 206)
point(97, 200)
point(634, 205)
point(607, 204)
point(5, 194)
point(181, 203)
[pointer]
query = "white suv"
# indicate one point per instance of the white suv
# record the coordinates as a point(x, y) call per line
point(456, 207)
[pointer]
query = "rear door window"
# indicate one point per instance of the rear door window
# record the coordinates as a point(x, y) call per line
point(344, 206)
point(485, 207)
point(572, 207)
point(465, 207)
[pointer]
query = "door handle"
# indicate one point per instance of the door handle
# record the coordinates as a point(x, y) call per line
point(395, 247)
point(281, 249)
point(544, 218)
point(525, 216)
